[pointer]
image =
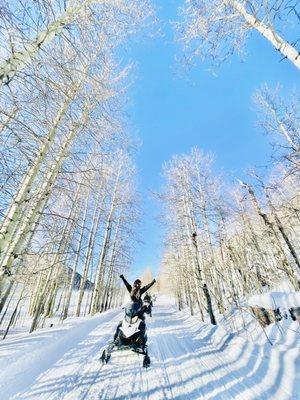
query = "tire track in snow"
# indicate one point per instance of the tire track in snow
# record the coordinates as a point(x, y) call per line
point(161, 375)
point(70, 377)
point(241, 366)
point(122, 372)
point(166, 348)
point(186, 364)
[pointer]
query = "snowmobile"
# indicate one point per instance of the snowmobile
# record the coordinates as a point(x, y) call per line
point(130, 335)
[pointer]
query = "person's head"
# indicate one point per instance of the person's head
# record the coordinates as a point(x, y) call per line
point(137, 283)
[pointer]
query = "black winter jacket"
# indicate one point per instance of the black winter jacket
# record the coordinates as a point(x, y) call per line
point(141, 291)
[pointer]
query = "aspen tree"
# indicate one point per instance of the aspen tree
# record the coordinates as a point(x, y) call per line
point(76, 13)
point(76, 260)
point(273, 237)
point(15, 246)
point(217, 29)
point(89, 252)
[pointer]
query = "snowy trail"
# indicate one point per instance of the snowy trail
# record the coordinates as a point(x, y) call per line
point(189, 360)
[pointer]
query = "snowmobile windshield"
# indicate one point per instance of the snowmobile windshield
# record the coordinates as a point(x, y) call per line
point(131, 320)
point(131, 312)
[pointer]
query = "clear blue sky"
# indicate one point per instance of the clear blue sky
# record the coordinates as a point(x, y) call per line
point(214, 112)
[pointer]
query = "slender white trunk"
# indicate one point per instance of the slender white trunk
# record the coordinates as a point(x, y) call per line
point(42, 196)
point(18, 206)
point(40, 301)
point(100, 267)
point(75, 265)
point(21, 59)
point(111, 263)
point(35, 294)
point(197, 259)
point(277, 41)
point(89, 253)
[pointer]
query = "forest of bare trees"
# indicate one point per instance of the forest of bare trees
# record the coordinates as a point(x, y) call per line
point(68, 199)
point(228, 240)
point(214, 30)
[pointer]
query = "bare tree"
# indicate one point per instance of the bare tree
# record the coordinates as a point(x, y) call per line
point(216, 29)
point(48, 20)
point(222, 244)
point(280, 118)
point(61, 124)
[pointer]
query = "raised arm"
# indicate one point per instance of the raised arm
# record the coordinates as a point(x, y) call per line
point(145, 288)
point(128, 286)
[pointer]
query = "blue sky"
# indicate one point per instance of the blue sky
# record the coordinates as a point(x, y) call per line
point(173, 113)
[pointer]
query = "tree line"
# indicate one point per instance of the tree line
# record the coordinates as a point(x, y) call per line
point(68, 202)
point(226, 241)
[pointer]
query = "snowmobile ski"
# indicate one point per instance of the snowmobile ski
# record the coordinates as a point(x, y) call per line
point(146, 361)
point(106, 354)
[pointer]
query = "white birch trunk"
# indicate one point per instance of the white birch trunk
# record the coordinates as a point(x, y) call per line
point(75, 264)
point(276, 40)
point(43, 194)
point(89, 253)
point(100, 267)
point(21, 59)
point(16, 211)
point(106, 293)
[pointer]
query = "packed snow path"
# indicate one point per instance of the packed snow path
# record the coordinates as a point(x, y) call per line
point(189, 360)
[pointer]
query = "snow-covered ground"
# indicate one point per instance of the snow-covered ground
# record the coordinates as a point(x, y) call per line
point(189, 360)
point(23, 322)
point(273, 300)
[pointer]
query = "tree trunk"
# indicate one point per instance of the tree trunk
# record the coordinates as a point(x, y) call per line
point(100, 267)
point(89, 253)
point(16, 246)
point(204, 285)
point(274, 238)
point(75, 265)
point(106, 239)
point(277, 41)
point(13, 316)
point(282, 231)
point(21, 59)
point(111, 264)
point(7, 305)
point(6, 294)
point(40, 302)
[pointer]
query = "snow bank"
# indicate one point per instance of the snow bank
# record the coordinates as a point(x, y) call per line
point(189, 360)
point(273, 300)
point(23, 357)
point(281, 335)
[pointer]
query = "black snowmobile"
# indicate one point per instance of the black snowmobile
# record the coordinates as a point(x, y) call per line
point(130, 334)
